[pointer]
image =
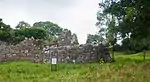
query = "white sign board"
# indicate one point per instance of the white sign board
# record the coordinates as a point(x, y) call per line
point(54, 60)
point(74, 61)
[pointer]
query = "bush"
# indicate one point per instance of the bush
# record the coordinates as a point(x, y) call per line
point(37, 33)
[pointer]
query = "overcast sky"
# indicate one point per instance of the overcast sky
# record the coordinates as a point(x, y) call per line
point(77, 15)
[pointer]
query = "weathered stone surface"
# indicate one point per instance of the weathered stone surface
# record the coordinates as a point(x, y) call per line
point(22, 51)
point(67, 38)
point(64, 49)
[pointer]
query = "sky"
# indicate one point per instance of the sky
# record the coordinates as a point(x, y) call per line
point(79, 16)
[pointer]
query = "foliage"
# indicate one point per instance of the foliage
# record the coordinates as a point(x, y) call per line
point(35, 32)
point(5, 32)
point(94, 38)
point(128, 19)
point(22, 24)
point(53, 29)
point(129, 44)
point(40, 30)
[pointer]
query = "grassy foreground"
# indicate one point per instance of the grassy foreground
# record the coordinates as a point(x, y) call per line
point(127, 68)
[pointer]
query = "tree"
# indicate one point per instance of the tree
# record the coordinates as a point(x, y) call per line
point(37, 33)
point(108, 21)
point(141, 45)
point(53, 29)
point(23, 24)
point(5, 31)
point(40, 30)
point(94, 38)
point(131, 18)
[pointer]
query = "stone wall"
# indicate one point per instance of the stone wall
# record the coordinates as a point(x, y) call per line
point(26, 50)
point(80, 54)
point(64, 50)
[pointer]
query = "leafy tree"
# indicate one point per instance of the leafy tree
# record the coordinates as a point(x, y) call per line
point(5, 31)
point(108, 21)
point(39, 30)
point(94, 39)
point(132, 16)
point(131, 20)
point(37, 33)
point(53, 29)
point(141, 45)
point(23, 24)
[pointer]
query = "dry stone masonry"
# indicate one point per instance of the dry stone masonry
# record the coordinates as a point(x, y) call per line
point(26, 50)
point(65, 50)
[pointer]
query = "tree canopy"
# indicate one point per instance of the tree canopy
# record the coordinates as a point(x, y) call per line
point(128, 19)
point(53, 29)
point(23, 24)
point(47, 31)
point(94, 38)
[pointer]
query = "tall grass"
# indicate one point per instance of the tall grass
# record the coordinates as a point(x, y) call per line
point(130, 68)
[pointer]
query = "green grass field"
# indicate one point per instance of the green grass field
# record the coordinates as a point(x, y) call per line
point(127, 68)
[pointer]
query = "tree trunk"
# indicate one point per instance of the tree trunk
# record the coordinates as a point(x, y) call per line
point(144, 54)
point(112, 52)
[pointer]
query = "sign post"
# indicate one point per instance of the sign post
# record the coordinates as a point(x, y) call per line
point(73, 61)
point(54, 58)
point(54, 64)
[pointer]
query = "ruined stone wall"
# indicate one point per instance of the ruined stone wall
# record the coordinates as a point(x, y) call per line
point(80, 54)
point(64, 50)
point(30, 51)
point(26, 50)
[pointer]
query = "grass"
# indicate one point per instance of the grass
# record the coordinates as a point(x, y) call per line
point(127, 68)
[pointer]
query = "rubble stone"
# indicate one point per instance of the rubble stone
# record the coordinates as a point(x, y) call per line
point(64, 49)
